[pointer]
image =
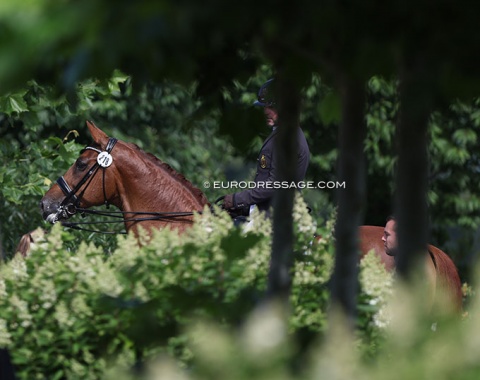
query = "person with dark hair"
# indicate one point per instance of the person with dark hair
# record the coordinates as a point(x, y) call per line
point(241, 203)
point(389, 237)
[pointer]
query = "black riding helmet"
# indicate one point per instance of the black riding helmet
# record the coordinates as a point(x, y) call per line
point(265, 96)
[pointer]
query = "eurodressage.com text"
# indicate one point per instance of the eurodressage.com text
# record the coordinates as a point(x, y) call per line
point(278, 185)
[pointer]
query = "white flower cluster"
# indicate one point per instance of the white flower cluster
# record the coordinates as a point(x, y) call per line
point(210, 225)
point(64, 317)
point(3, 289)
point(93, 271)
point(23, 316)
point(318, 268)
point(213, 256)
point(48, 294)
point(302, 218)
point(5, 337)
point(377, 285)
point(17, 268)
point(258, 223)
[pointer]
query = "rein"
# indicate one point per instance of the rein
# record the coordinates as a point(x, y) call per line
point(70, 205)
point(165, 216)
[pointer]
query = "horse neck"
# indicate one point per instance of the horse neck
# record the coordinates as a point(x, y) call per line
point(144, 183)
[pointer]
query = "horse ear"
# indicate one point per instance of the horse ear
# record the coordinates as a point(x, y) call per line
point(98, 135)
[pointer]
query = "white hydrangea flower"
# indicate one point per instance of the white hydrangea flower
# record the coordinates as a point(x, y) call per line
point(21, 307)
point(18, 268)
point(3, 289)
point(48, 294)
point(63, 315)
point(302, 218)
point(108, 283)
point(377, 284)
point(80, 308)
point(5, 337)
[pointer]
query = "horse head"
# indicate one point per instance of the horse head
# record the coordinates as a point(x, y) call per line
point(88, 182)
point(148, 192)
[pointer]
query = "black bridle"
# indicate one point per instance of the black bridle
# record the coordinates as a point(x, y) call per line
point(70, 204)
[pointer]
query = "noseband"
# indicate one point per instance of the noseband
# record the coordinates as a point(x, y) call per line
point(71, 202)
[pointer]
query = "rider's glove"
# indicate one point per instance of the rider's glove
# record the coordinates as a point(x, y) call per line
point(229, 201)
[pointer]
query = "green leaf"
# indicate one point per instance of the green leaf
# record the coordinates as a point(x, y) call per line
point(14, 103)
point(237, 244)
point(465, 136)
point(329, 109)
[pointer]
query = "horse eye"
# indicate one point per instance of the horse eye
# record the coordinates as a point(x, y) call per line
point(80, 165)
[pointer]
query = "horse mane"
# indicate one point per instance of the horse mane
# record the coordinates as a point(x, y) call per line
point(450, 283)
point(199, 195)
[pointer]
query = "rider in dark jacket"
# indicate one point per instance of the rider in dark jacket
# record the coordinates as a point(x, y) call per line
point(262, 194)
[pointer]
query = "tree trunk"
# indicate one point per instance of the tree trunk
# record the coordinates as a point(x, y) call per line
point(279, 277)
point(351, 169)
point(412, 170)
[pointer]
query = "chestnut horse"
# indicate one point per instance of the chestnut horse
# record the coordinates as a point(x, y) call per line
point(148, 192)
point(441, 272)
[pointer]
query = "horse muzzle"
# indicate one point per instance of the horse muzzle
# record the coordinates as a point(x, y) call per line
point(52, 212)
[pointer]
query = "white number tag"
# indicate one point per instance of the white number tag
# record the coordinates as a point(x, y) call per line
point(104, 159)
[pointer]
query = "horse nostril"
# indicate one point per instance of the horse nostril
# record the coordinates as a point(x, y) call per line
point(47, 207)
point(44, 206)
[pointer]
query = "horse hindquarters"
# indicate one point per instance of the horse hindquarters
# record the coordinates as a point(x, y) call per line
point(441, 271)
point(448, 280)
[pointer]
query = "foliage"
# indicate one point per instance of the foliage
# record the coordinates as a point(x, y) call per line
point(453, 161)
point(454, 137)
point(453, 165)
point(188, 40)
point(376, 291)
point(453, 133)
point(25, 175)
point(187, 307)
point(162, 116)
point(70, 313)
point(413, 347)
point(311, 274)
